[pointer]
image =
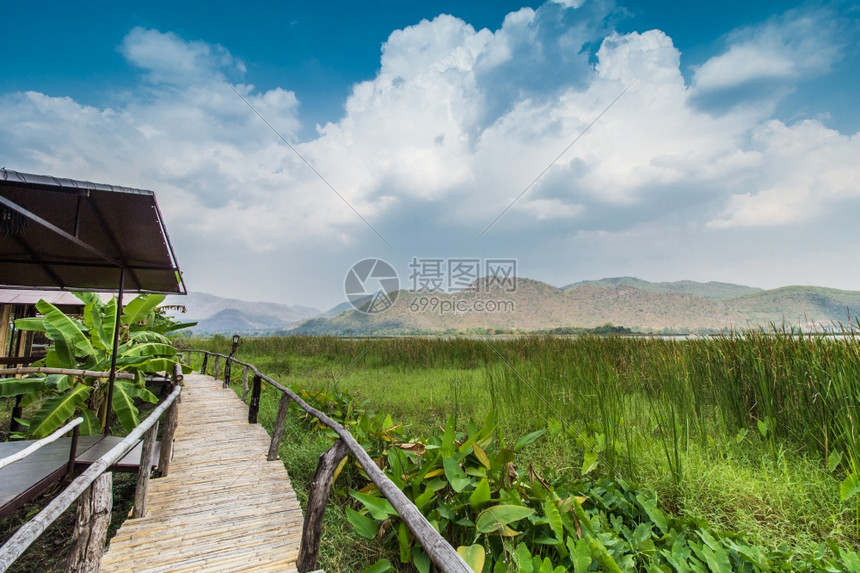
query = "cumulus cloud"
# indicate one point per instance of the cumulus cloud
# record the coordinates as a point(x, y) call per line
point(764, 61)
point(454, 127)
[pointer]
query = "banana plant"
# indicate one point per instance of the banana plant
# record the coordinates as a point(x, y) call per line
point(87, 344)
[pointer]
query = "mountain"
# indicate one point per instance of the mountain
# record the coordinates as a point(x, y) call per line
point(215, 314)
point(710, 290)
point(683, 306)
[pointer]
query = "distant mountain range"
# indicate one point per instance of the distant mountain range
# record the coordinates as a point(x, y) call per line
point(641, 306)
point(228, 315)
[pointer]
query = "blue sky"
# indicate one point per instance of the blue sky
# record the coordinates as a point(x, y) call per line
point(732, 156)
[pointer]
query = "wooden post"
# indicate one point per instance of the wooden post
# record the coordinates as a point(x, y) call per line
point(227, 370)
point(139, 509)
point(171, 420)
point(217, 367)
point(91, 526)
point(17, 414)
point(245, 385)
point(254, 409)
point(73, 449)
point(280, 420)
point(317, 501)
point(203, 366)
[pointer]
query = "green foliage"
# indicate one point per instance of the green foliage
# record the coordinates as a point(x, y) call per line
point(502, 520)
point(88, 345)
point(681, 416)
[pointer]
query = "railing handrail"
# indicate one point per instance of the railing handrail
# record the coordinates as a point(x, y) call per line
point(30, 531)
point(437, 547)
point(69, 371)
point(35, 446)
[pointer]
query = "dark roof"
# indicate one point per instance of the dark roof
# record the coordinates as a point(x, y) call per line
point(76, 235)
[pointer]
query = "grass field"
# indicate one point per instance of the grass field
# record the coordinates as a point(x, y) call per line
point(754, 433)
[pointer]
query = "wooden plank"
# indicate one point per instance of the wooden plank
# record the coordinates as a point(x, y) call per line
point(223, 506)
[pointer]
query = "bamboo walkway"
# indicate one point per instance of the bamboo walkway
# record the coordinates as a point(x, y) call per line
point(222, 507)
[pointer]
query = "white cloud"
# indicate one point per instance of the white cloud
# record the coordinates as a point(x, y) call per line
point(794, 45)
point(430, 150)
point(808, 170)
point(170, 59)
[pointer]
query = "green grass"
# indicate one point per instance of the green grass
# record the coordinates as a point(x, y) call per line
point(734, 430)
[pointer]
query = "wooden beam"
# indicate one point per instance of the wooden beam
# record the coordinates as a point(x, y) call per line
point(139, 509)
point(317, 502)
point(278, 429)
point(91, 526)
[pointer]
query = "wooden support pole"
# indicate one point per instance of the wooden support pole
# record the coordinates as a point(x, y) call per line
point(139, 509)
point(245, 385)
point(91, 526)
point(203, 366)
point(317, 501)
point(217, 367)
point(73, 449)
point(254, 408)
point(280, 420)
point(171, 420)
point(227, 371)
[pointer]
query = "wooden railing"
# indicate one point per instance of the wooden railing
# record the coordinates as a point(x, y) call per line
point(95, 483)
point(438, 549)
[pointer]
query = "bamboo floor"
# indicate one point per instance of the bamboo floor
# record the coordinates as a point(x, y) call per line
point(222, 507)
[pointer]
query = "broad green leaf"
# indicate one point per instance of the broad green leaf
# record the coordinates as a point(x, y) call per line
point(599, 552)
point(36, 324)
point(90, 426)
point(524, 558)
point(833, 460)
point(124, 393)
point(481, 495)
point(363, 525)
point(148, 336)
point(102, 328)
point(850, 486)
point(19, 386)
point(404, 543)
point(421, 561)
point(580, 554)
point(379, 567)
point(762, 428)
point(70, 343)
point(497, 517)
point(151, 349)
point(554, 519)
point(425, 498)
point(57, 410)
point(58, 382)
point(589, 462)
point(157, 365)
point(655, 513)
point(481, 455)
point(140, 307)
point(455, 475)
point(528, 438)
point(474, 556)
point(546, 566)
point(379, 507)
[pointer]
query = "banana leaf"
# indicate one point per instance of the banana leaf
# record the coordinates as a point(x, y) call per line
point(57, 410)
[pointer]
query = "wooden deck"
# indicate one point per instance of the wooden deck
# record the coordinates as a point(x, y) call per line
point(222, 507)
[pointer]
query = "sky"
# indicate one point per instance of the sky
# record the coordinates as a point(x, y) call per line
point(285, 141)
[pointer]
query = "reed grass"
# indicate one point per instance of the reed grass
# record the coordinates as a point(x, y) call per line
point(749, 406)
